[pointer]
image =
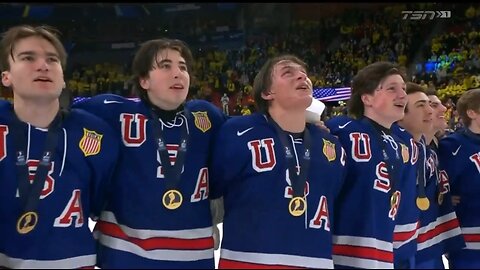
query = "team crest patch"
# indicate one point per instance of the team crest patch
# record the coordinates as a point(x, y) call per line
point(91, 142)
point(202, 121)
point(329, 150)
point(405, 154)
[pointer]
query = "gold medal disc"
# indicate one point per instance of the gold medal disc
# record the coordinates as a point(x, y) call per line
point(423, 203)
point(297, 206)
point(172, 199)
point(440, 198)
point(27, 222)
point(393, 199)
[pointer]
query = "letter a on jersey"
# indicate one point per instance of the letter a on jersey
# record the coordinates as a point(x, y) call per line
point(202, 121)
point(91, 142)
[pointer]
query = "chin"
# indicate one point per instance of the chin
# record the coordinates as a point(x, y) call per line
point(399, 117)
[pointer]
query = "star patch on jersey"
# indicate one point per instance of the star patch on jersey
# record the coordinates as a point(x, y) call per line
point(329, 150)
point(91, 142)
point(405, 154)
point(202, 121)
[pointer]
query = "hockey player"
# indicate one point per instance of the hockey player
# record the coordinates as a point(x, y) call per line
point(459, 154)
point(55, 165)
point(438, 224)
point(278, 176)
point(158, 212)
point(377, 171)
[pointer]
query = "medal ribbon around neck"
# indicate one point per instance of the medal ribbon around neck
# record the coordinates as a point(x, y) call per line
point(29, 193)
point(298, 204)
point(172, 198)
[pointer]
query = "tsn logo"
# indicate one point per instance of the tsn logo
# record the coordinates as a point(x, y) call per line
point(425, 14)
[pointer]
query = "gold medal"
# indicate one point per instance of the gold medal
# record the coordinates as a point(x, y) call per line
point(297, 206)
point(27, 222)
point(423, 203)
point(440, 198)
point(172, 199)
point(393, 199)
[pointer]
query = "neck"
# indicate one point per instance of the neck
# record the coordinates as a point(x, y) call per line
point(161, 104)
point(165, 114)
point(37, 114)
point(429, 138)
point(375, 117)
point(417, 137)
point(474, 128)
point(289, 121)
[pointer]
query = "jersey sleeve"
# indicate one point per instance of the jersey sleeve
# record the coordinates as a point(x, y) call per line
point(446, 158)
point(103, 106)
point(103, 163)
point(228, 159)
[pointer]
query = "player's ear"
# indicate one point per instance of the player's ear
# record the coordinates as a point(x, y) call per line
point(367, 99)
point(471, 114)
point(144, 83)
point(268, 95)
point(6, 79)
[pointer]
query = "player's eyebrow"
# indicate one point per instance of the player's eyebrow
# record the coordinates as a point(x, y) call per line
point(35, 53)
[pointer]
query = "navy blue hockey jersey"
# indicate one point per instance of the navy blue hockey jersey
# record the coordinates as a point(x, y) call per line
point(439, 231)
point(251, 174)
point(366, 214)
point(74, 190)
point(136, 229)
point(459, 155)
point(406, 230)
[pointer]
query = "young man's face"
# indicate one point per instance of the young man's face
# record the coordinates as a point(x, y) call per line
point(35, 70)
point(168, 83)
point(439, 123)
point(474, 116)
point(418, 118)
point(387, 103)
point(291, 88)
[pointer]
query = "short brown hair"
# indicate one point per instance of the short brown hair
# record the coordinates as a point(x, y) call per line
point(412, 88)
point(14, 34)
point(431, 92)
point(366, 81)
point(146, 57)
point(470, 100)
point(263, 79)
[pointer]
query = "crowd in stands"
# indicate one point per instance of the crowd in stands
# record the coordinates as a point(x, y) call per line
point(441, 53)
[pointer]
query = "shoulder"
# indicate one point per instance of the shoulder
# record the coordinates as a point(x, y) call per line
point(5, 109)
point(401, 132)
point(256, 120)
point(205, 108)
point(103, 102)
point(451, 141)
point(245, 128)
point(80, 119)
point(319, 133)
point(343, 124)
point(401, 135)
point(107, 106)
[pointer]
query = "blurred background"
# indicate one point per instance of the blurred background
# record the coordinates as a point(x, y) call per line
point(230, 42)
